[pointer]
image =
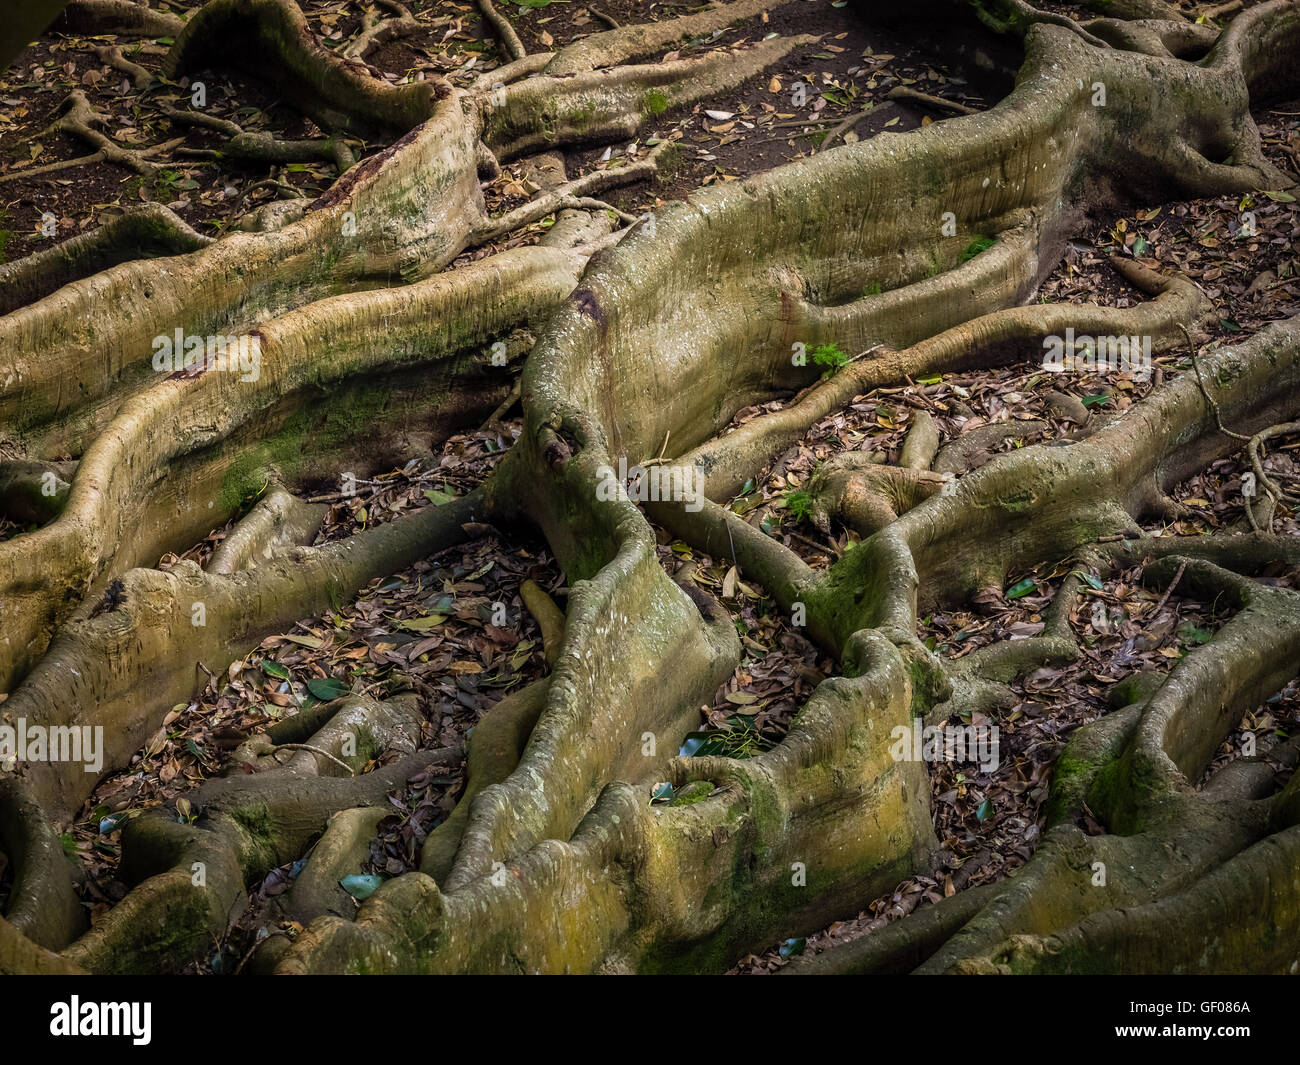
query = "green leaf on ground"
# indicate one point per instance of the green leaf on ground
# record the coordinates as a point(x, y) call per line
point(327, 688)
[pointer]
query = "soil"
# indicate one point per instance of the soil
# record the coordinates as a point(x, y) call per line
point(1240, 250)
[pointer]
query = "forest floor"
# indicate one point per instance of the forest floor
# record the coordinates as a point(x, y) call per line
point(454, 629)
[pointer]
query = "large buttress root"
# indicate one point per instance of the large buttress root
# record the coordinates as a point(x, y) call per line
point(555, 860)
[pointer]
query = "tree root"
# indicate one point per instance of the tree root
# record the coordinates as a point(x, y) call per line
point(605, 105)
point(864, 495)
point(144, 232)
point(972, 449)
point(43, 908)
point(122, 17)
point(189, 877)
point(377, 31)
point(180, 417)
point(1252, 449)
point(622, 43)
point(261, 147)
point(560, 862)
point(271, 39)
point(570, 194)
point(1018, 17)
point(112, 55)
point(157, 606)
point(78, 118)
point(510, 41)
point(495, 747)
point(33, 491)
point(278, 521)
point(900, 947)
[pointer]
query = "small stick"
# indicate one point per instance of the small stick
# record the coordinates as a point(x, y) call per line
point(1170, 590)
point(840, 130)
point(808, 541)
point(1208, 398)
point(314, 750)
point(505, 405)
point(902, 92)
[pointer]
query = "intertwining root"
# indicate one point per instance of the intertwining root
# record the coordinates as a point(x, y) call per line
point(554, 859)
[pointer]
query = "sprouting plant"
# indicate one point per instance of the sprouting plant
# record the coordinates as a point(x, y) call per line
point(799, 504)
point(873, 289)
point(655, 103)
point(830, 356)
point(976, 246)
point(740, 739)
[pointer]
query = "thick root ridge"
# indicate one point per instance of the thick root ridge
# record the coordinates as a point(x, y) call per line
point(555, 859)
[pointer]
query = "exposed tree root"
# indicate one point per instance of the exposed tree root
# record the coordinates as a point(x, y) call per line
point(501, 25)
point(278, 520)
point(112, 55)
point(78, 118)
point(260, 147)
point(33, 491)
point(144, 232)
point(555, 859)
point(865, 495)
point(117, 16)
point(380, 30)
point(631, 42)
point(271, 39)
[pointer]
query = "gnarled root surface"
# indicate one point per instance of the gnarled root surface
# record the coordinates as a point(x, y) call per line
point(555, 860)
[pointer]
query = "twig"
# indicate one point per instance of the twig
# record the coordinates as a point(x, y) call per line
point(1208, 398)
point(842, 129)
point(808, 541)
point(1170, 590)
point(505, 405)
point(796, 123)
point(314, 750)
point(338, 497)
point(902, 92)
